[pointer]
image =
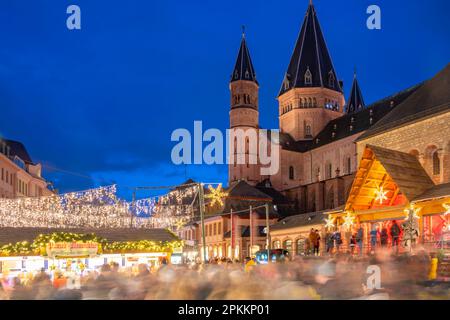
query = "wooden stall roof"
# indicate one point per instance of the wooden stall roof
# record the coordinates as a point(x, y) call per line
point(12, 235)
point(399, 174)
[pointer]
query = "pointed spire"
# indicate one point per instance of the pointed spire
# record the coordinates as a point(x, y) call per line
point(310, 51)
point(355, 101)
point(243, 69)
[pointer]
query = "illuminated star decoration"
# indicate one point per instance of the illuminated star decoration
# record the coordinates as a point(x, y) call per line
point(348, 220)
point(179, 223)
point(412, 212)
point(380, 195)
point(216, 195)
point(329, 223)
point(447, 209)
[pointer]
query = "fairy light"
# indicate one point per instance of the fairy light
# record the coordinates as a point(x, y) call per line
point(97, 208)
point(380, 195)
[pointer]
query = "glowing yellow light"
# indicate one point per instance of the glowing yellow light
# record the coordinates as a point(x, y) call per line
point(380, 195)
point(329, 223)
point(447, 208)
point(216, 195)
point(348, 220)
point(412, 212)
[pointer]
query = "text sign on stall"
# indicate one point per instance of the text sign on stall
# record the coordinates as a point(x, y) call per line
point(71, 249)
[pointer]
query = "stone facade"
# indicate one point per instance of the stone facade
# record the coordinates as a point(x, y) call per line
point(428, 139)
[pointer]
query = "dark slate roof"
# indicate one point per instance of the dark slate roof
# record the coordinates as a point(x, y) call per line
point(277, 197)
point(18, 149)
point(243, 69)
point(242, 189)
point(245, 232)
point(350, 124)
point(12, 235)
point(304, 219)
point(311, 53)
point(355, 101)
point(438, 191)
point(433, 97)
point(405, 170)
point(288, 143)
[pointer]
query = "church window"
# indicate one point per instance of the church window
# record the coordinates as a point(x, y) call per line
point(301, 103)
point(309, 103)
point(308, 77)
point(331, 79)
point(328, 171)
point(291, 173)
point(436, 163)
point(314, 102)
point(308, 130)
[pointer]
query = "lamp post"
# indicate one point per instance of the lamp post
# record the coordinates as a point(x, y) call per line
point(201, 200)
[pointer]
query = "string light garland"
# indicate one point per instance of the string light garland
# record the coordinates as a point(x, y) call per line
point(98, 208)
point(380, 195)
point(216, 195)
point(38, 246)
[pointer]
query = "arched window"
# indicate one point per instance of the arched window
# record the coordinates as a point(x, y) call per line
point(276, 244)
point(300, 103)
point(308, 77)
point(300, 246)
point(308, 130)
point(309, 103)
point(314, 102)
point(291, 173)
point(287, 244)
point(247, 74)
point(331, 79)
point(328, 170)
point(436, 163)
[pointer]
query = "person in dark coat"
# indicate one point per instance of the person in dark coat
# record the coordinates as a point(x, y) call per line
point(384, 237)
point(395, 234)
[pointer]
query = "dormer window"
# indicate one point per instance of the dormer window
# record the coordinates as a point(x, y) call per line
point(331, 79)
point(352, 119)
point(335, 126)
point(317, 140)
point(371, 112)
point(351, 128)
point(247, 74)
point(308, 77)
point(236, 74)
point(371, 120)
point(286, 82)
point(333, 134)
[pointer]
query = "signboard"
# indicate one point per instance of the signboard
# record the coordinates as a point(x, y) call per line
point(178, 250)
point(71, 249)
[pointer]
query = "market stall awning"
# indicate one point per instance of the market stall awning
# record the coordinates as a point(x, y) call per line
point(386, 178)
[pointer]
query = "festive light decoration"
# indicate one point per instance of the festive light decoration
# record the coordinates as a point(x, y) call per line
point(216, 195)
point(98, 208)
point(37, 247)
point(348, 220)
point(329, 223)
point(412, 212)
point(447, 209)
point(380, 195)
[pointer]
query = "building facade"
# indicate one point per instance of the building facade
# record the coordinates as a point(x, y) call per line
point(20, 176)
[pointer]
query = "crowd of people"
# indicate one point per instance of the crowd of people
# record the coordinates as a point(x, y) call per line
point(337, 277)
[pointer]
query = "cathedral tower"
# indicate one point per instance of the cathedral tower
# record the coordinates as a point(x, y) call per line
point(310, 95)
point(244, 116)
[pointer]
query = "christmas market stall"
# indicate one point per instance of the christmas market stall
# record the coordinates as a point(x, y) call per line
point(25, 251)
point(394, 202)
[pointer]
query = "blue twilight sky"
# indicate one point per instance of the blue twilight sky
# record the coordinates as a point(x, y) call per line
point(98, 105)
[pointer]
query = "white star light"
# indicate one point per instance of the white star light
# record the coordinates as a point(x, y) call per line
point(447, 208)
point(380, 195)
point(329, 223)
point(348, 220)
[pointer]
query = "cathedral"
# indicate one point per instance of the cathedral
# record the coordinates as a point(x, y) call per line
point(318, 126)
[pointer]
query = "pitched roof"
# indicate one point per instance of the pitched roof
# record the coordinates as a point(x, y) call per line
point(18, 149)
point(242, 190)
point(243, 68)
point(433, 97)
point(350, 124)
point(310, 53)
point(438, 191)
point(299, 220)
point(355, 101)
point(12, 235)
